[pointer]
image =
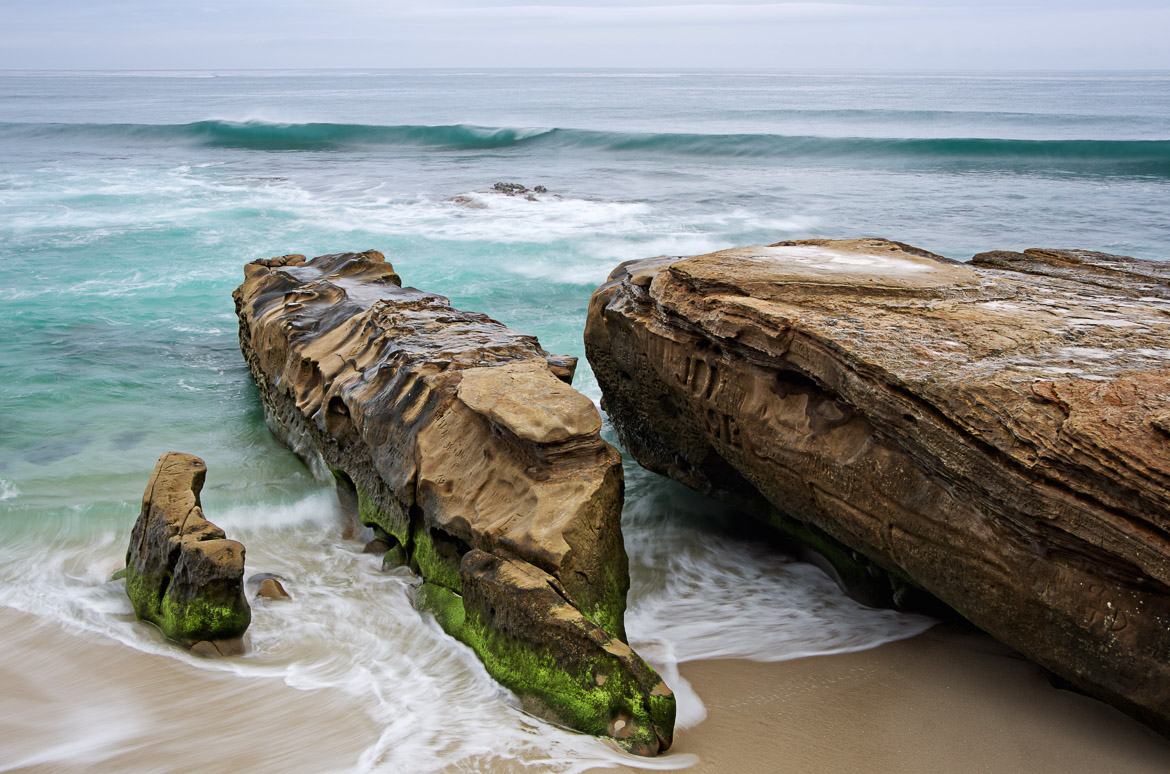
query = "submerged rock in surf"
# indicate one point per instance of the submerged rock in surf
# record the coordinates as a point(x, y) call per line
point(476, 463)
point(993, 432)
point(182, 573)
point(271, 589)
point(468, 202)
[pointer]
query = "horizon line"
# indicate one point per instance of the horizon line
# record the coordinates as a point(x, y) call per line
point(578, 68)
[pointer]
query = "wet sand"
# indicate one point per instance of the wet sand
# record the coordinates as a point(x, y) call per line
point(83, 703)
point(945, 701)
point(948, 700)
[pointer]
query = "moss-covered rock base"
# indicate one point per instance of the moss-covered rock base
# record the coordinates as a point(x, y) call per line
point(561, 665)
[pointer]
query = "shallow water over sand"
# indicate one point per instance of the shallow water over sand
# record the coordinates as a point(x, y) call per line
point(424, 701)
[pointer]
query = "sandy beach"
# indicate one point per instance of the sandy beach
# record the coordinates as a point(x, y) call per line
point(82, 703)
point(949, 700)
point(944, 701)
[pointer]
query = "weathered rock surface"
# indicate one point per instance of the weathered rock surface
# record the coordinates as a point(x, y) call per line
point(993, 432)
point(182, 573)
point(476, 462)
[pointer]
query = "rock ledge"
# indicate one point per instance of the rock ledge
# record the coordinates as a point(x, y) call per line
point(993, 432)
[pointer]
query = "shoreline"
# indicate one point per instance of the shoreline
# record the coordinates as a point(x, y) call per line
point(947, 700)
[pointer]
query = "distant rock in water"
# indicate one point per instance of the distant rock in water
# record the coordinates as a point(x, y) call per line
point(515, 189)
point(182, 573)
point(476, 464)
point(476, 201)
point(993, 433)
point(510, 189)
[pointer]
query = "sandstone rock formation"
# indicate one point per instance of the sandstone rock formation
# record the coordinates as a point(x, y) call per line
point(995, 433)
point(475, 462)
point(182, 573)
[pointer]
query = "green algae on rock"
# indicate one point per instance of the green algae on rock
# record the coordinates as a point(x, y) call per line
point(461, 442)
point(182, 573)
point(564, 667)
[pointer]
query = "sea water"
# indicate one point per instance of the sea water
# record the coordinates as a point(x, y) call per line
point(130, 201)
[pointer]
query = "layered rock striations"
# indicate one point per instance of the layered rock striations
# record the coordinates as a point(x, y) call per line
point(182, 573)
point(477, 463)
point(996, 433)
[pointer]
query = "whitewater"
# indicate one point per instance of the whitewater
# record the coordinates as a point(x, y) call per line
point(129, 203)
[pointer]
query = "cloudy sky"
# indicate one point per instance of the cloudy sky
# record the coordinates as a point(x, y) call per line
point(858, 34)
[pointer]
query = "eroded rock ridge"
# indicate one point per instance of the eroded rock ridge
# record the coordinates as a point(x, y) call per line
point(996, 433)
point(477, 463)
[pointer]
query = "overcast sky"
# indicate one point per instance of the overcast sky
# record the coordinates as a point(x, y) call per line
point(860, 34)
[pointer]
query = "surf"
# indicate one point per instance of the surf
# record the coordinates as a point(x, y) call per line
point(1146, 157)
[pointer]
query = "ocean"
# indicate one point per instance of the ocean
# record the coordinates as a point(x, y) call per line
point(130, 202)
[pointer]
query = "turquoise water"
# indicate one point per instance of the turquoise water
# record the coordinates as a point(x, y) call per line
point(129, 203)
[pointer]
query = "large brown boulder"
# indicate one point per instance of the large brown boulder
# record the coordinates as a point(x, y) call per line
point(464, 445)
point(996, 433)
point(182, 573)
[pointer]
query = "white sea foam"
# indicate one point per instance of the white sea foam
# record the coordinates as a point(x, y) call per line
point(500, 218)
point(726, 601)
point(699, 594)
point(76, 207)
point(8, 490)
point(350, 627)
point(268, 114)
point(603, 232)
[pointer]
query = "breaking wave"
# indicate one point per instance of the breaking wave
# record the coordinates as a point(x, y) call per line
point(1148, 157)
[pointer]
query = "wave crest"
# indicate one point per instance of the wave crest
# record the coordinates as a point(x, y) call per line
point(1145, 157)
